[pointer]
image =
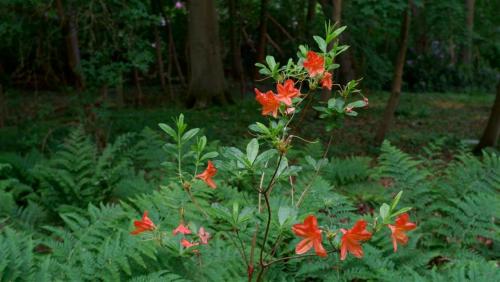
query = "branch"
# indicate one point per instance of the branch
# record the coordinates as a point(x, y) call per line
point(281, 28)
point(297, 257)
point(299, 202)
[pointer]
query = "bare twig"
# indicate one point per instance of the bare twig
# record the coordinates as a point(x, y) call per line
point(301, 198)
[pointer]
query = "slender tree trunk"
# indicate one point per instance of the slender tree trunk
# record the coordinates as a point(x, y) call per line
point(3, 108)
point(467, 54)
point(70, 33)
point(336, 15)
point(120, 98)
point(311, 12)
point(140, 94)
point(104, 93)
point(397, 80)
point(207, 83)
point(492, 130)
point(235, 45)
point(159, 61)
point(261, 44)
point(172, 51)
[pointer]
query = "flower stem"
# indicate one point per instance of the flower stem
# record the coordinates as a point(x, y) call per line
point(269, 216)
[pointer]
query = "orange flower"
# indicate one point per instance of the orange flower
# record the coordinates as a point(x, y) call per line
point(287, 91)
point(398, 230)
point(326, 81)
point(143, 225)
point(350, 241)
point(312, 236)
point(204, 236)
point(207, 175)
point(314, 63)
point(269, 102)
point(181, 229)
point(186, 244)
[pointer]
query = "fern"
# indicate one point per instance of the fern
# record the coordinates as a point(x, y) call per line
point(348, 170)
point(77, 175)
point(97, 246)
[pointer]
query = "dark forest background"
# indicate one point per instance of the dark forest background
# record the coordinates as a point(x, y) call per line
point(72, 56)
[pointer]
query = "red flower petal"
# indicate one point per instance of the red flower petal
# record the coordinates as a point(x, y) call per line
point(312, 236)
point(207, 175)
point(351, 240)
point(181, 229)
point(314, 63)
point(143, 225)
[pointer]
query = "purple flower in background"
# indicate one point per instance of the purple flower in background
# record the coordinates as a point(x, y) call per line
point(179, 5)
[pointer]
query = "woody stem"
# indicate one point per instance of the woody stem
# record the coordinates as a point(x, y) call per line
point(195, 202)
point(296, 257)
point(316, 173)
point(269, 215)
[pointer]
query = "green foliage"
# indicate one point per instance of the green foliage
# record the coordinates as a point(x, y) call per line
point(78, 175)
point(455, 208)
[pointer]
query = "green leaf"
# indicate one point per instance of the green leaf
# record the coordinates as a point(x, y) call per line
point(169, 130)
point(321, 43)
point(396, 200)
point(384, 212)
point(331, 103)
point(260, 128)
point(351, 113)
point(202, 142)
point(338, 31)
point(270, 62)
point(320, 109)
point(190, 134)
point(286, 214)
point(401, 211)
point(265, 156)
point(357, 104)
point(209, 155)
point(252, 150)
point(339, 105)
point(236, 154)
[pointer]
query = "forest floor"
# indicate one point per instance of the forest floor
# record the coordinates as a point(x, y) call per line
point(421, 118)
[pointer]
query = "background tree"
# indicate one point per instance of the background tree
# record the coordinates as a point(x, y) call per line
point(262, 38)
point(397, 81)
point(207, 82)
point(492, 130)
point(469, 23)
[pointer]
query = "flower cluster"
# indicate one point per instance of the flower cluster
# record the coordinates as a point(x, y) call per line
point(147, 225)
point(351, 239)
point(271, 102)
point(315, 66)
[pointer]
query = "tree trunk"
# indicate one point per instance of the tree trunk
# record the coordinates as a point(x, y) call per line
point(397, 80)
point(311, 12)
point(237, 64)
point(140, 94)
point(172, 52)
point(3, 108)
point(469, 8)
point(120, 98)
point(70, 33)
point(159, 61)
point(492, 130)
point(261, 44)
point(336, 15)
point(207, 83)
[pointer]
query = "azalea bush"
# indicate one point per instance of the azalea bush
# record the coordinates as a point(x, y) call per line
point(276, 212)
